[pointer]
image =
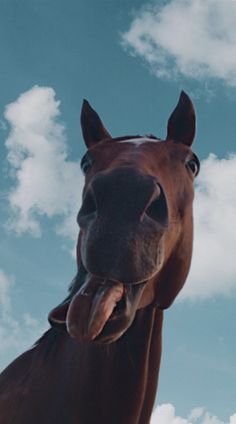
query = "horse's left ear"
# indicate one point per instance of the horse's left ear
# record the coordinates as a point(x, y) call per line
point(92, 126)
point(182, 122)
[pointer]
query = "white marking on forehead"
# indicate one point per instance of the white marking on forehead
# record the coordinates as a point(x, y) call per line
point(139, 140)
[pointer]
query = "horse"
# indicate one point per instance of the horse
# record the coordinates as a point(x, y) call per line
point(99, 362)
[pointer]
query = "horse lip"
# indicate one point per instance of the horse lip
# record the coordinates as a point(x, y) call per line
point(104, 278)
point(102, 314)
point(91, 306)
point(122, 315)
point(73, 314)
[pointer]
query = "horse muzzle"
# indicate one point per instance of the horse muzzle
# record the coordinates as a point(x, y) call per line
point(123, 219)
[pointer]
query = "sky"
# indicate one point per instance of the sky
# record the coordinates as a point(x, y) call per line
point(130, 59)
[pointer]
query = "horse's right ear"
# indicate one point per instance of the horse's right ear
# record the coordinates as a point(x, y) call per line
point(182, 122)
point(92, 127)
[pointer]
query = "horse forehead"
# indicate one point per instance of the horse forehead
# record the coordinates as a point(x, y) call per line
point(147, 152)
point(136, 151)
point(157, 147)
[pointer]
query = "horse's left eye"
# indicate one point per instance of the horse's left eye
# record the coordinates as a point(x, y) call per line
point(194, 166)
point(86, 163)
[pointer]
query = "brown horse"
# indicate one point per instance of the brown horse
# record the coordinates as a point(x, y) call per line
point(99, 362)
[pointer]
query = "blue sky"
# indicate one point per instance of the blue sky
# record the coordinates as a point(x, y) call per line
point(130, 59)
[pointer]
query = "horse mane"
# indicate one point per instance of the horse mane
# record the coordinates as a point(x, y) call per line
point(51, 336)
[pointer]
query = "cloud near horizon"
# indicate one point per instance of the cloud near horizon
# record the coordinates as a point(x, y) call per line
point(188, 38)
point(165, 414)
point(46, 183)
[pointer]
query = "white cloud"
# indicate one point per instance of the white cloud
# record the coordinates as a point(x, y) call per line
point(192, 38)
point(213, 270)
point(5, 282)
point(46, 182)
point(15, 335)
point(196, 413)
point(165, 414)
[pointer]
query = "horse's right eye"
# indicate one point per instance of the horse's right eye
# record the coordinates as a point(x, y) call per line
point(86, 163)
point(193, 165)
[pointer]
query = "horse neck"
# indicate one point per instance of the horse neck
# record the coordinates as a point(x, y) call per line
point(116, 382)
point(60, 380)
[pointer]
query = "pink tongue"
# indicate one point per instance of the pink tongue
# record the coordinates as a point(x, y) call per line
point(91, 307)
point(103, 305)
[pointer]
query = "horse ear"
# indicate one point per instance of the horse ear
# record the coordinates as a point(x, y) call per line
point(92, 127)
point(182, 122)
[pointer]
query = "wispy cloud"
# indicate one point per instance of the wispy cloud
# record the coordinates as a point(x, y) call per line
point(165, 414)
point(46, 182)
point(15, 335)
point(190, 38)
point(213, 270)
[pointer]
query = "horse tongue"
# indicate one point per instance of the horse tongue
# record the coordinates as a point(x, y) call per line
point(91, 307)
point(103, 305)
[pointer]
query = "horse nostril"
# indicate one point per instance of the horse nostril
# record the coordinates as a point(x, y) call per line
point(157, 207)
point(88, 210)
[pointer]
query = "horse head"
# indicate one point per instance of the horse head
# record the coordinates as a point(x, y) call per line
point(135, 242)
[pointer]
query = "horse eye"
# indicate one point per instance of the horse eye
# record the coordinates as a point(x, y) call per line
point(193, 165)
point(86, 163)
